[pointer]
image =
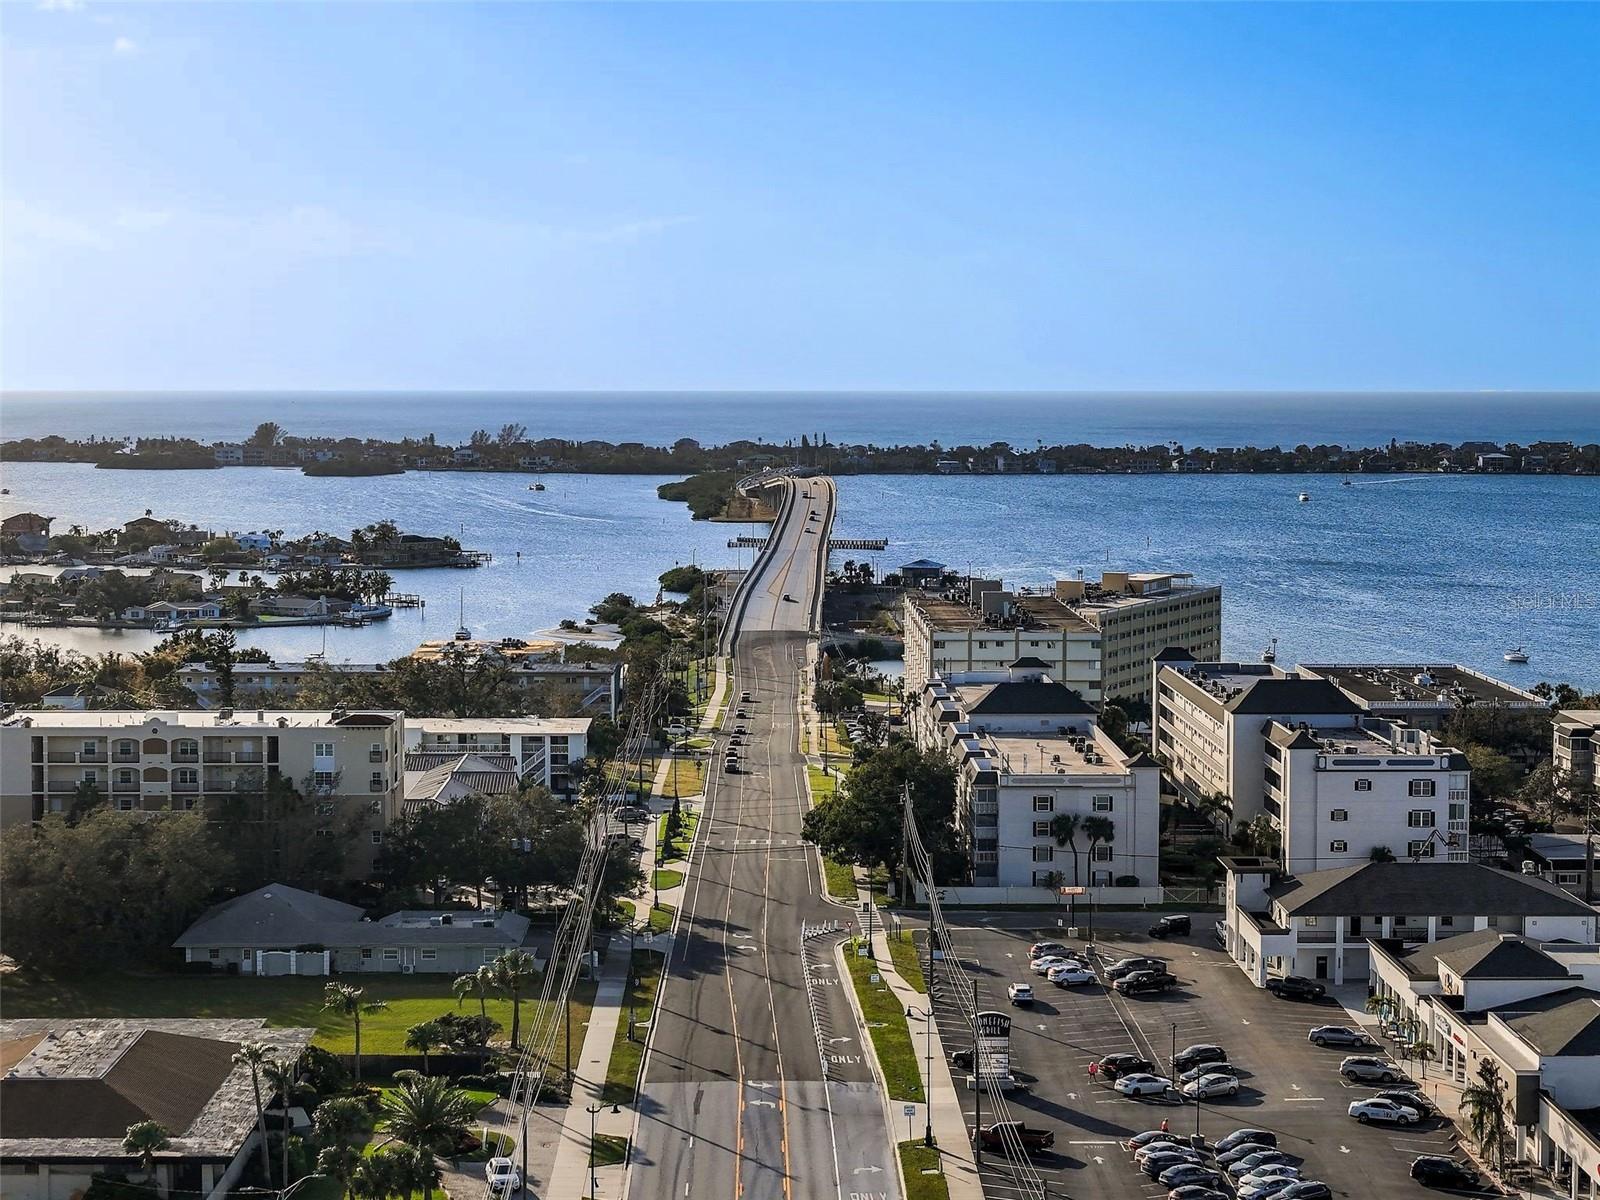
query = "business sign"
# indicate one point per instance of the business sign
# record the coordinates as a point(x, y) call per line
point(1073, 891)
point(994, 1025)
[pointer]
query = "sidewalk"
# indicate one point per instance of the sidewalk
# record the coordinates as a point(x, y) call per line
point(949, 1122)
point(570, 1176)
point(715, 702)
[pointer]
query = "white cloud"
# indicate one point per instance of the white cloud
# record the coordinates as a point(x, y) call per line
point(38, 225)
point(141, 220)
point(125, 46)
point(61, 5)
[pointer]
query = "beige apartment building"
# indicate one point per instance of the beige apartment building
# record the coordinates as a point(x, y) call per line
point(150, 761)
point(1097, 638)
point(1577, 743)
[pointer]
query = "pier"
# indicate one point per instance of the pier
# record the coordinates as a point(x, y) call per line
point(403, 600)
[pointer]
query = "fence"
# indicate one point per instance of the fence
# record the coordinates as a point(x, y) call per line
point(1002, 897)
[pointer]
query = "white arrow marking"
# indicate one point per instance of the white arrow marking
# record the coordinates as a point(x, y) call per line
point(1295, 1087)
point(1072, 1095)
point(868, 1171)
point(764, 1103)
point(1344, 1149)
point(1098, 1160)
point(834, 1041)
point(1246, 1020)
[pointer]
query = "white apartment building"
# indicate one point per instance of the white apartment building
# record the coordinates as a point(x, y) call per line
point(1318, 924)
point(539, 749)
point(188, 759)
point(1423, 695)
point(1576, 749)
point(1335, 783)
point(1028, 749)
point(1096, 638)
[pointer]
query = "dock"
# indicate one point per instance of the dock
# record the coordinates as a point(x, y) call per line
point(404, 600)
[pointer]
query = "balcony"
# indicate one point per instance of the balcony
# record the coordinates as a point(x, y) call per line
point(186, 785)
point(125, 756)
point(216, 756)
point(249, 756)
point(76, 756)
point(377, 756)
point(62, 785)
point(125, 785)
point(186, 756)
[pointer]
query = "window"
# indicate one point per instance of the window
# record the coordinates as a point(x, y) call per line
point(1042, 878)
point(322, 779)
point(366, 952)
point(1420, 818)
point(188, 803)
point(377, 837)
point(429, 955)
point(125, 748)
point(1103, 803)
point(376, 782)
point(1419, 787)
point(1458, 812)
point(325, 833)
point(323, 750)
point(1310, 922)
point(390, 954)
point(1363, 785)
point(1044, 804)
point(375, 807)
point(216, 955)
point(1422, 849)
point(125, 803)
point(1339, 814)
point(1446, 922)
point(1101, 853)
point(325, 809)
point(186, 775)
point(88, 747)
point(1044, 854)
point(1041, 829)
point(1338, 847)
point(490, 954)
point(91, 776)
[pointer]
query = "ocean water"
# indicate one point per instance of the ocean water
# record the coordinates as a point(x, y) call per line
point(1441, 567)
point(1107, 419)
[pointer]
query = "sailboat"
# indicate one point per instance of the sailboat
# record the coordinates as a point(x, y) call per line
point(1270, 654)
point(463, 634)
point(1305, 497)
point(1345, 482)
point(1516, 655)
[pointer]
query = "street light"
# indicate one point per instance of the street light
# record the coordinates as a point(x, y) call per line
point(927, 1099)
point(593, 1110)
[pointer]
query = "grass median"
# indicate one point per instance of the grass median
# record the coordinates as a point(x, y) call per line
point(923, 1172)
point(903, 952)
point(677, 847)
point(622, 1072)
point(886, 1022)
point(841, 880)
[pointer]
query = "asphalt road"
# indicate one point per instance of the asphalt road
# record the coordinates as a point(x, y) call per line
point(1290, 1086)
point(754, 1082)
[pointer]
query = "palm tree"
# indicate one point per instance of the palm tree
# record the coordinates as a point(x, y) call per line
point(349, 1000)
point(477, 983)
point(254, 1055)
point(144, 1141)
point(513, 970)
point(1422, 1050)
point(340, 1121)
point(423, 1037)
point(341, 1163)
point(1484, 1102)
point(1064, 828)
point(1098, 829)
point(415, 1171)
point(430, 1114)
point(281, 1074)
point(375, 1177)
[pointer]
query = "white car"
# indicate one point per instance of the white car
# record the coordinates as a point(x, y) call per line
point(503, 1175)
point(1069, 975)
point(1260, 1187)
point(1214, 1084)
point(1144, 1085)
point(1040, 966)
point(1020, 993)
point(1386, 1111)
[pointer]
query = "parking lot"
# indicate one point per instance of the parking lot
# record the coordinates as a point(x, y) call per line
point(1288, 1085)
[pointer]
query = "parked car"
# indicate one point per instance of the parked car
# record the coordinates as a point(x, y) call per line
point(503, 1175)
point(1359, 1068)
point(1261, 1187)
point(1295, 987)
point(1196, 1191)
point(1156, 1165)
point(1221, 1068)
point(1219, 933)
point(1145, 981)
point(1157, 1149)
point(1277, 1170)
point(1209, 1086)
point(1007, 1135)
point(1113, 1065)
point(1306, 1189)
point(1245, 1137)
point(1170, 925)
point(1044, 962)
point(1040, 949)
point(1189, 1173)
point(1141, 1083)
point(1385, 1112)
point(1069, 975)
point(1021, 994)
point(1251, 1163)
point(1435, 1170)
point(631, 814)
point(1152, 1137)
point(1338, 1035)
point(1127, 966)
point(1239, 1151)
point(1198, 1055)
point(1406, 1099)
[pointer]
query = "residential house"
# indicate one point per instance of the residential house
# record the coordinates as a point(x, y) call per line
point(75, 697)
point(175, 610)
point(71, 1087)
point(1318, 924)
point(282, 930)
point(26, 523)
point(1495, 461)
point(921, 572)
point(278, 604)
point(253, 541)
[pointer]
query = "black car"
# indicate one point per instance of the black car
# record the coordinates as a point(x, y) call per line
point(1263, 1138)
point(632, 815)
point(1127, 966)
point(1194, 1056)
point(961, 1059)
point(1169, 925)
point(1338, 1035)
point(1415, 1100)
point(1294, 987)
point(1306, 1189)
point(1113, 1065)
point(1436, 1170)
point(1140, 982)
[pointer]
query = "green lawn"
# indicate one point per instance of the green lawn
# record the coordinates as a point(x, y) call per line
point(661, 918)
point(622, 1073)
point(292, 1001)
point(668, 878)
point(903, 951)
point(679, 846)
point(823, 784)
point(886, 1021)
point(609, 1149)
point(686, 776)
point(915, 1158)
point(841, 879)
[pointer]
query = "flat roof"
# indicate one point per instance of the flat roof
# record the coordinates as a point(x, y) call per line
point(501, 724)
point(1442, 684)
point(1030, 611)
point(204, 719)
point(1031, 754)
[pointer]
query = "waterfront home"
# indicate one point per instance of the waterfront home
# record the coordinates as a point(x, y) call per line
point(28, 522)
point(407, 550)
point(1495, 462)
point(282, 930)
point(258, 542)
point(75, 696)
point(72, 1086)
point(205, 609)
point(275, 604)
point(921, 572)
point(464, 454)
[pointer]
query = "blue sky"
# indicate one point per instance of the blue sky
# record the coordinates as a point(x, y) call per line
point(772, 196)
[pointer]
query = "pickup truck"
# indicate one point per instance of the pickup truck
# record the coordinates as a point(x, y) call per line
point(1006, 1135)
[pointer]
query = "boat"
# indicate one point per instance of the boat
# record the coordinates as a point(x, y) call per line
point(1305, 497)
point(1516, 655)
point(1270, 654)
point(463, 634)
point(1345, 482)
point(536, 487)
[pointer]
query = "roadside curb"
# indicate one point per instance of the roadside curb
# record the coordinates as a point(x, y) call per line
point(870, 1050)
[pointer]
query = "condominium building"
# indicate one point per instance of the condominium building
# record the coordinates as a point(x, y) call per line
point(1028, 749)
point(1336, 784)
point(535, 750)
point(1096, 638)
point(189, 759)
point(1423, 695)
point(1576, 749)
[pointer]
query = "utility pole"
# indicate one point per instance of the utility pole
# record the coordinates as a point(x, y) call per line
point(977, 1082)
point(632, 982)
